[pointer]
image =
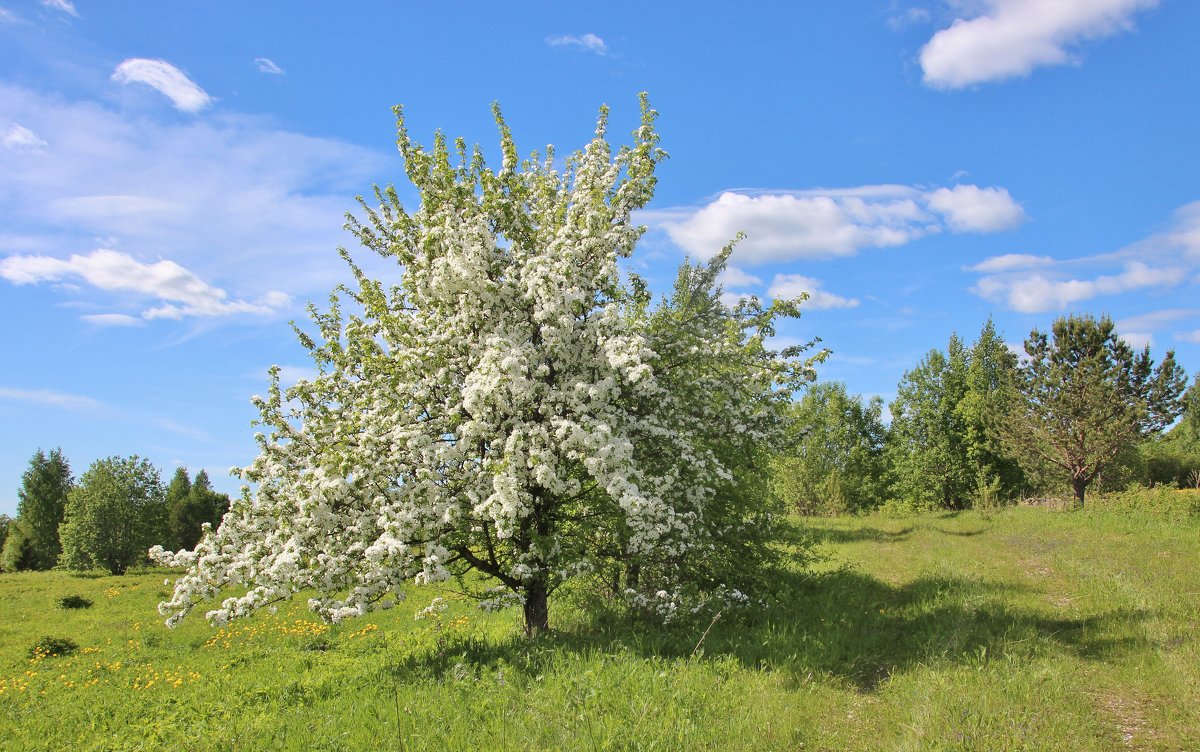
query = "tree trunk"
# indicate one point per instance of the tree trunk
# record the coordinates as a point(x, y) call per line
point(1080, 485)
point(537, 608)
point(633, 576)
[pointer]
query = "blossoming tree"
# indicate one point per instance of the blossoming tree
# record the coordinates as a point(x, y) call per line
point(512, 406)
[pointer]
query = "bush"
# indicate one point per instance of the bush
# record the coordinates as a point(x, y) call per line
point(51, 647)
point(74, 601)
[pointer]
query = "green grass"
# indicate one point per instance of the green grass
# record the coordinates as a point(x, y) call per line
point(1025, 629)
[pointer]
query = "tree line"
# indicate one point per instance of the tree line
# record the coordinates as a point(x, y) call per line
point(109, 519)
point(975, 424)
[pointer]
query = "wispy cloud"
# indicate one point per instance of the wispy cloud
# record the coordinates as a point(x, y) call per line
point(165, 78)
point(113, 319)
point(183, 293)
point(1011, 38)
point(1010, 262)
point(51, 398)
point(267, 65)
point(827, 223)
point(586, 42)
point(1037, 293)
point(225, 198)
point(1036, 284)
point(1137, 340)
point(63, 6)
point(795, 285)
point(19, 137)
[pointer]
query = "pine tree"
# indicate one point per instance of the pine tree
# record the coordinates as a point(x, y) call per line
point(1085, 397)
point(42, 500)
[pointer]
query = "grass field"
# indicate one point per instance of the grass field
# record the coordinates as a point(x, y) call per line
point(1026, 629)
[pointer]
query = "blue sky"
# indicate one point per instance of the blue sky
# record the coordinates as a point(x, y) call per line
point(173, 178)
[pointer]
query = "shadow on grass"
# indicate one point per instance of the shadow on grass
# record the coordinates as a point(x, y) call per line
point(857, 535)
point(841, 624)
point(960, 533)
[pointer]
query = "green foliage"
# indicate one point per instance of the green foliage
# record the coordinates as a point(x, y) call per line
point(114, 516)
point(41, 503)
point(738, 543)
point(74, 602)
point(1086, 397)
point(190, 506)
point(834, 460)
point(5, 522)
point(944, 443)
point(52, 647)
point(18, 553)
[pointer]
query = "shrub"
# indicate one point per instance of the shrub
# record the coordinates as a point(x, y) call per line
point(50, 647)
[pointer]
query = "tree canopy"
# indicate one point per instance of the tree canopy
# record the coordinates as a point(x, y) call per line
point(834, 460)
point(1085, 396)
point(507, 407)
point(41, 505)
point(114, 515)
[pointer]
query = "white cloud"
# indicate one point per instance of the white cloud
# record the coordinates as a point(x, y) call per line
point(795, 285)
point(735, 277)
point(267, 65)
point(7, 16)
point(588, 42)
point(1037, 293)
point(231, 198)
point(112, 319)
point(1033, 284)
point(185, 293)
point(50, 398)
point(1012, 37)
point(64, 6)
point(1193, 337)
point(969, 208)
point(166, 79)
point(826, 223)
point(19, 137)
point(1010, 262)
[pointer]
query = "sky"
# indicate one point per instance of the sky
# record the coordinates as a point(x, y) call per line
point(174, 179)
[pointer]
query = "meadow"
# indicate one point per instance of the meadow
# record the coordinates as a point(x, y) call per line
point(1020, 629)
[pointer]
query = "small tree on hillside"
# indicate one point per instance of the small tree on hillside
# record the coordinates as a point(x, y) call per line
point(42, 500)
point(116, 513)
point(1085, 396)
point(501, 409)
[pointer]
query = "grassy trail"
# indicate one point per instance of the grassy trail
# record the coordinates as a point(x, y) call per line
point(1026, 630)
